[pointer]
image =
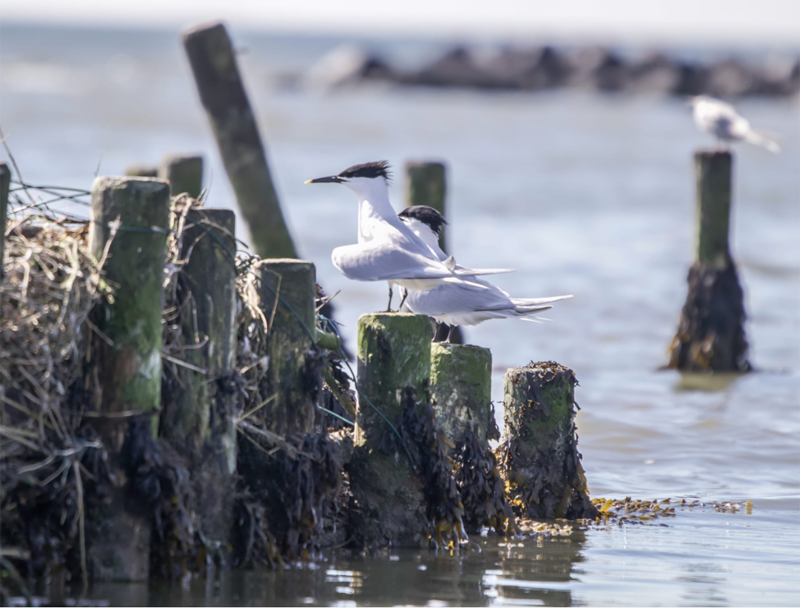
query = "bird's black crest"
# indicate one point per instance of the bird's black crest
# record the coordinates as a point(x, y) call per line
point(427, 215)
point(378, 168)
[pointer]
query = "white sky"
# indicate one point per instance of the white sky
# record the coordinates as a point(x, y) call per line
point(699, 21)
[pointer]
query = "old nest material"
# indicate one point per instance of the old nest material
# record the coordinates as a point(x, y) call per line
point(52, 283)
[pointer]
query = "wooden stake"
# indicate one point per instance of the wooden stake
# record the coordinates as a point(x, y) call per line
point(426, 184)
point(128, 361)
point(198, 419)
point(539, 453)
point(184, 174)
point(222, 93)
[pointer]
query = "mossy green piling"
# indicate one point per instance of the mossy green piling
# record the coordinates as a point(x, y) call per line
point(199, 407)
point(286, 292)
point(539, 454)
point(129, 227)
point(393, 356)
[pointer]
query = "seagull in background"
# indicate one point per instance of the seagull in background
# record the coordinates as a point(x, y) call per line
point(387, 249)
point(462, 302)
point(726, 124)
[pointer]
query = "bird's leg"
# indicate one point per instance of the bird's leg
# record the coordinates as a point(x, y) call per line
point(403, 301)
point(389, 305)
point(449, 333)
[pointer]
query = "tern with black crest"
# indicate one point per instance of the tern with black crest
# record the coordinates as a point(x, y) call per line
point(387, 250)
point(463, 302)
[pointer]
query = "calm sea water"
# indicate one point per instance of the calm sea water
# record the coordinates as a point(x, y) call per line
point(584, 194)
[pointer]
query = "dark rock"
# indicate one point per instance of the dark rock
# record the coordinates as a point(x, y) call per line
point(347, 65)
point(729, 78)
point(598, 68)
point(458, 68)
point(656, 73)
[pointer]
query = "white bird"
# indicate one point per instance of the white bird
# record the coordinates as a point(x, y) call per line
point(387, 249)
point(463, 302)
point(721, 120)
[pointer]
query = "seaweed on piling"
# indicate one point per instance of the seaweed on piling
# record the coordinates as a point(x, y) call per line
point(710, 335)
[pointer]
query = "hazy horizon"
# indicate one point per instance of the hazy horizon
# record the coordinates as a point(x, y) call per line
point(696, 22)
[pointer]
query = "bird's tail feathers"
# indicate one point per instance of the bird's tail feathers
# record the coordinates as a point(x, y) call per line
point(761, 139)
point(474, 272)
point(525, 302)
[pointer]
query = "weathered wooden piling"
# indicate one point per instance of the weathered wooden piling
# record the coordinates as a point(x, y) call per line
point(135, 211)
point(393, 354)
point(286, 292)
point(198, 415)
point(710, 334)
point(539, 454)
point(184, 174)
point(461, 387)
point(426, 184)
point(5, 186)
point(222, 93)
point(141, 171)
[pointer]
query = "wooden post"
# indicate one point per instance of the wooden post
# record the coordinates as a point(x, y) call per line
point(128, 358)
point(5, 186)
point(710, 334)
point(222, 93)
point(184, 174)
point(713, 174)
point(290, 342)
point(142, 171)
point(539, 453)
point(198, 418)
point(426, 185)
point(393, 353)
point(461, 386)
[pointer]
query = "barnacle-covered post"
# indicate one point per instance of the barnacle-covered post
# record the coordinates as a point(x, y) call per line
point(5, 186)
point(222, 93)
point(426, 184)
point(539, 454)
point(461, 387)
point(710, 334)
point(184, 173)
point(393, 354)
point(198, 415)
point(286, 292)
point(128, 357)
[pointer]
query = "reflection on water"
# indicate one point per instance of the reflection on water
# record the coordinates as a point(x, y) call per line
point(589, 195)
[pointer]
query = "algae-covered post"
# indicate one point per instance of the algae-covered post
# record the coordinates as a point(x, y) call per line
point(142, 171)
point(287, 292)
point(426, 184)
point(222, 94)
point(135, 212)
point(184, 174)
point(5, 185)
point(393, 354)
point(539, 453)
point(710, 334)
point(461, 387)
point(198, 415)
